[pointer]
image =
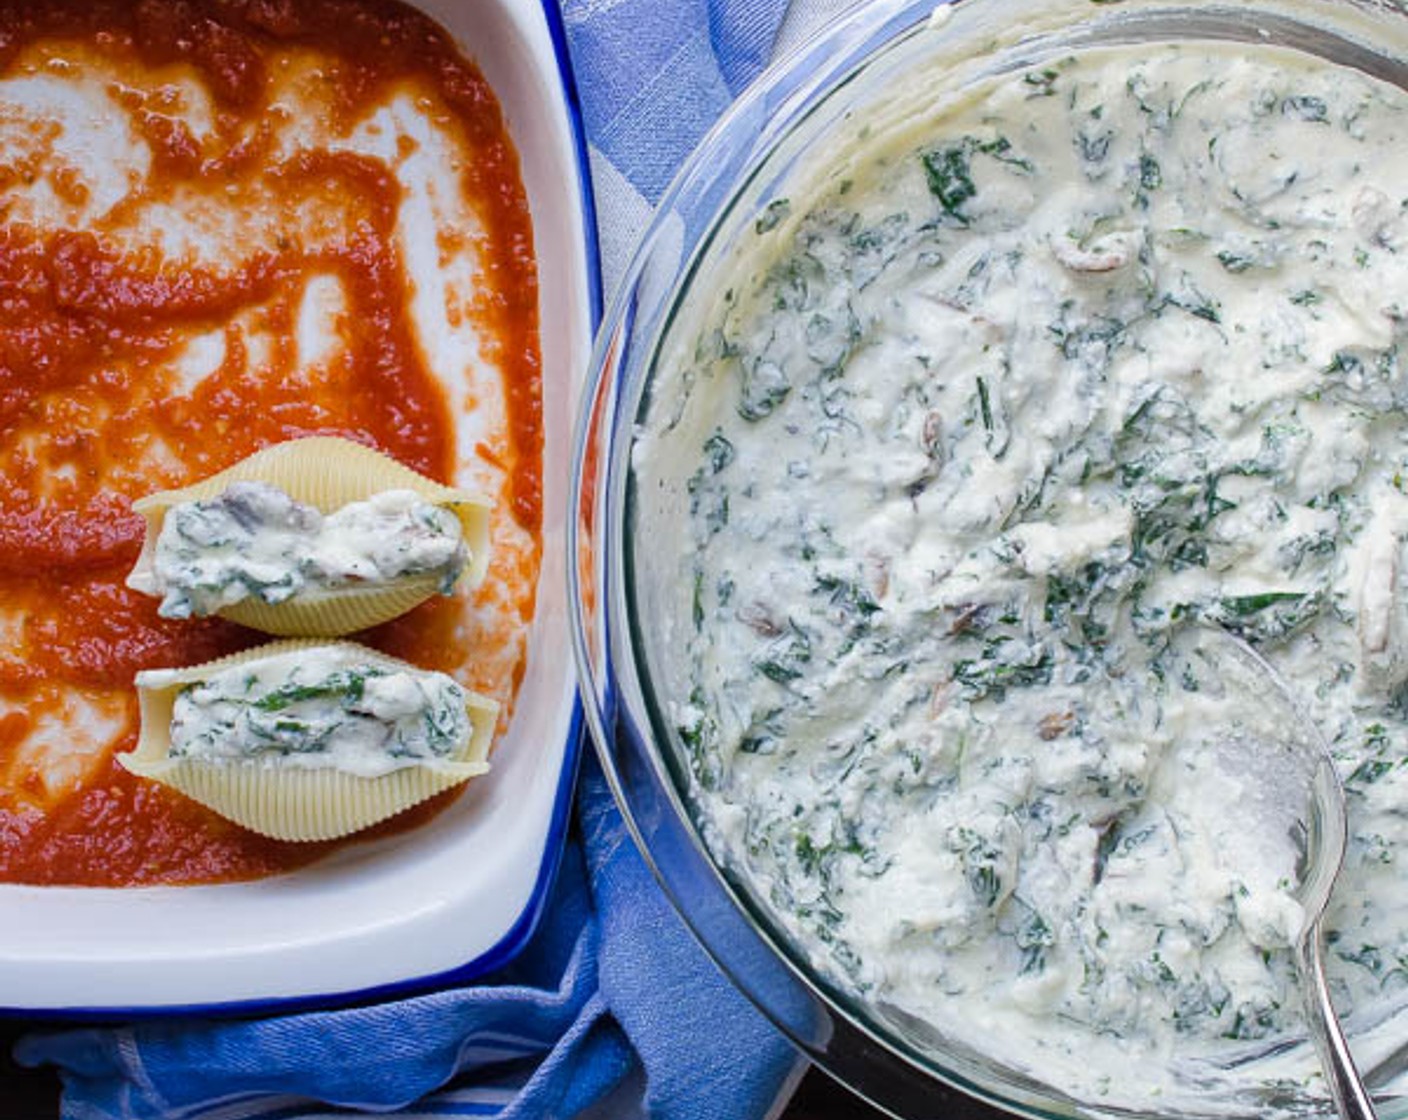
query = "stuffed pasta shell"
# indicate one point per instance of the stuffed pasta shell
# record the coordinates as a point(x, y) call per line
point(301, 740)
point(316, 537)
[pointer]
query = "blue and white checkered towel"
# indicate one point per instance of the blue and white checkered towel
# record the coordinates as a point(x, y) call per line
point(575, 1027)
point(653, 76)
point(612, 1011)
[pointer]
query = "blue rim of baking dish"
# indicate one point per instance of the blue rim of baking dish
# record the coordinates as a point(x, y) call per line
point(518, 935)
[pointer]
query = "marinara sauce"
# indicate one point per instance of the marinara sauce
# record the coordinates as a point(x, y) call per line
point(97, 311)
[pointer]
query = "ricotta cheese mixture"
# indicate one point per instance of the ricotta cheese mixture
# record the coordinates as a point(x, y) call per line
point(319, 709)
point(1019, 391)
point(254, 540)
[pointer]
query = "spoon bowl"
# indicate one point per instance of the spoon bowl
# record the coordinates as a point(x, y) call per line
point(1293, 793)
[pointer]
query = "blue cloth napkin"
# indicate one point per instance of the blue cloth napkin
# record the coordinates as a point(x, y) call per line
point(612, 1011)
point(653, 76)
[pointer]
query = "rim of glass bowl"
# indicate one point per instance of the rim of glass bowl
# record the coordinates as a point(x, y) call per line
point(706, 204)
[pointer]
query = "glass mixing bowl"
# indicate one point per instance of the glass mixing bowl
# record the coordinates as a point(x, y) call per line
point(747, 162)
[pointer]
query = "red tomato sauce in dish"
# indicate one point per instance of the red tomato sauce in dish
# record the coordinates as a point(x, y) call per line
point(234, 272)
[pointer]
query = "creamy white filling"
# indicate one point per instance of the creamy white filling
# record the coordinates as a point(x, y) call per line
point(320, 709)
point(253, 540)
point(1110, 349)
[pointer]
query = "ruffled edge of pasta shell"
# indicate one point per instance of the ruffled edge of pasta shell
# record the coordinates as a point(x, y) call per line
point(325, 472)
point(290, 804)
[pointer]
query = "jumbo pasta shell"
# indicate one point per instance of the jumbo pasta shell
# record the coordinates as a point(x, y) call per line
point(326, 473)
point(286, 803)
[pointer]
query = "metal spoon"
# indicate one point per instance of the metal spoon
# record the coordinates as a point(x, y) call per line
point(1299, 790)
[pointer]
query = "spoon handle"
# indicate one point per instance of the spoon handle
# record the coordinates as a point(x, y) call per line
point(1352, 1100)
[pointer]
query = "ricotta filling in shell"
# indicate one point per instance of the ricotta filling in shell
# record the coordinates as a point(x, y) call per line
point(255, 540)
point(317, 709)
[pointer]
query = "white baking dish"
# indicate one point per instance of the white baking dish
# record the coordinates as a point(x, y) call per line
point(460, 895)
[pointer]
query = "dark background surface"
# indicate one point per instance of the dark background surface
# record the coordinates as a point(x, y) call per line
point(34, 1094)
